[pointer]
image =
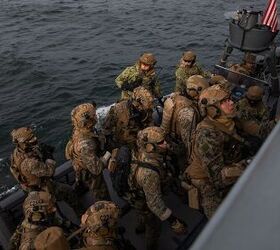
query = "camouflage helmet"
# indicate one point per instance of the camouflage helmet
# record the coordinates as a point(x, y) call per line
point(51, 239)
point(23, 134)
point(150, 135)
point(100, 218)
point(142, 98)
point(189, 56)
point(255, 93)
point(84, 115)
point(37, 205)
point(195, 85)
point(217, 79)
point(210, 100)
point(148, 59)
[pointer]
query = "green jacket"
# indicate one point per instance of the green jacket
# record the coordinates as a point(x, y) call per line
point(133, 77)
point(184, 73)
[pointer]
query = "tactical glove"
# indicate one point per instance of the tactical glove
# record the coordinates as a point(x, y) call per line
point(177, 225)
point(130, 86)
point(105, 158)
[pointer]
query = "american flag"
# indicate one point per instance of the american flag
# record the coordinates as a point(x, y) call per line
point(270, 17)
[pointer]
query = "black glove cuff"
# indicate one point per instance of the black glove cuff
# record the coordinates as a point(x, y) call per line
point(171, 219)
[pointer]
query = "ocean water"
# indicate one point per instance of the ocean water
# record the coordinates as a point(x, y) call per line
point(57, 54)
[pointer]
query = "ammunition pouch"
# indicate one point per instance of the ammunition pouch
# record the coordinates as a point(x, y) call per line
point(230, 174)
point(194, 199)
point(193, 192)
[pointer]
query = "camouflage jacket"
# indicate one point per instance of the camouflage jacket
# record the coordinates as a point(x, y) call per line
point(122, 124)
point(133, 77)
point(84, 156)
point(183, 74)
point(146, 184)
point(260, 113)
point(184, 121)
point(212, 150)
point(30, 169)
point(24, 236)
point(254, 120)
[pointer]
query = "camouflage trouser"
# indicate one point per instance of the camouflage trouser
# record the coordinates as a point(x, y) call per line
point(64, 192)
point(96, 184)
point(99, 188)
point(209, 197)
point(152, 224)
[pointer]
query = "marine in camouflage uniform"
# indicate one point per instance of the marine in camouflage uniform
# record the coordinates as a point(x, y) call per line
point(140, 74)
point(127, 117)
point(247, 67)
point(253, 115)
point(34, 169)
point(100, 223)
point(146, 179)
point(216, 159)
point(186, 68)
point(180, 117)
point(83, 149)
point(37, 207)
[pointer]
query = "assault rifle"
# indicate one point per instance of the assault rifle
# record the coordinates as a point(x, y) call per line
point(47, 151)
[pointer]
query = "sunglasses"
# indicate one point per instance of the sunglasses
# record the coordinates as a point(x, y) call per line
point(161, 142)
point(188, 61)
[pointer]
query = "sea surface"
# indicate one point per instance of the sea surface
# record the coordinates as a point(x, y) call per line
point(57, 54)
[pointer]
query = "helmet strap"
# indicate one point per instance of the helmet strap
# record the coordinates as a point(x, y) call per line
point(213, 111)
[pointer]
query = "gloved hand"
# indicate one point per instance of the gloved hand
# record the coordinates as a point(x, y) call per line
point(177, 225)
point(105, 158)
point(50, 162)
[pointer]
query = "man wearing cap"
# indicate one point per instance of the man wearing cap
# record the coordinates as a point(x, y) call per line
point(253, 115)
point(247, 67)
point(186, 68)
point(140, 74)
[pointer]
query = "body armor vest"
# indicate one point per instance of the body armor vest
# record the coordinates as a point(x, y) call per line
point(180, 102)
point(196, 170)
point(16, 160)
point(23, 173)
point(78, 138)
point(127, 125)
